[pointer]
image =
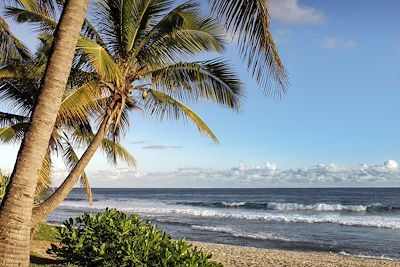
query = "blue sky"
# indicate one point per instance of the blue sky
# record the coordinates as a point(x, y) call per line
point(341, 110)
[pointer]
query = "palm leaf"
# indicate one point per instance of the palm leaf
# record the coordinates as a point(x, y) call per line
point(211, 80)
point(45, 6)
point(78, 104)
point(161, 105)
point(19, 99)
point(139, 17)
point(10, 46)
point(248, 21)
point(27, 4)
point(101, 60)
point(44, 176)
point(89, 31)
point(44, 21)
point(115, 151)
point(13, 133)
point(183, 31)
point(71, 159)
point(122, 22)
point(7, 119)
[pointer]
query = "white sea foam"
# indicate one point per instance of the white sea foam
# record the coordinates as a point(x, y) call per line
point(233, 204)
point(152, 209)
point(316, 207)
point(382, 257)
point(230, 231)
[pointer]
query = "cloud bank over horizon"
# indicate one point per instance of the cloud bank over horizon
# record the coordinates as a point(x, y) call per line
point(268, 175)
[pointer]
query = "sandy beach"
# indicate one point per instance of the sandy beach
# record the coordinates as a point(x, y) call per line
point(237, 256)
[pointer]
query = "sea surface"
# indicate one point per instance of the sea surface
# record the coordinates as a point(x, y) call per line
point(363, 221)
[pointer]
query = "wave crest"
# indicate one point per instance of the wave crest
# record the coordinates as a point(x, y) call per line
point(288, 206)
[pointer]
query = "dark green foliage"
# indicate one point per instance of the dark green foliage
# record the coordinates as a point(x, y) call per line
point(4, 180)
point(46, 232)
point(114, 238)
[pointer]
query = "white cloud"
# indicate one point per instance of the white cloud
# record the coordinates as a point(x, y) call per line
point(139, 142)
point(160, 147)
point(291, 12)
point(335, 43)
point(269, 175)
point(391, 165)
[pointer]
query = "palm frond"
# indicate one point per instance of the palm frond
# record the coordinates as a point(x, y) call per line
point(84, 181)
point(122, 22)
point(115, 151)
point(18, 93)
point(14, 133)
point(101, 60)
point(248, 21)
point(27, 4)
point(29, 72)
point(211, 80)
point(78, 104)
point(161, 105)
point(7, 119)
point(44, 175)
point(45, 6)
point(89, 31)
point(139, 17)
point(10, 46)
point(71, 159)
point(183, 31)
point(43, 21)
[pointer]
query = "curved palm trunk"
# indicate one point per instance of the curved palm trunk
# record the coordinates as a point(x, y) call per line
point(16, 208)
point(52, 202)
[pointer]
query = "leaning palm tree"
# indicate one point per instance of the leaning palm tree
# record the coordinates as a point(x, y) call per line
point(18, 88)
point(248, 19)
point(16, 207)
point(139, 54)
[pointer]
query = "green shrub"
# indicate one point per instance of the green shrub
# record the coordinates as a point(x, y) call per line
point(4, 180)
point(114, 238)
point(46, 232)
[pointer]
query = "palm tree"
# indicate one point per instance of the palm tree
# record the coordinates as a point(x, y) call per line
point(138, 57)
point(246, 18)
point(19, 86)
point(16, 207)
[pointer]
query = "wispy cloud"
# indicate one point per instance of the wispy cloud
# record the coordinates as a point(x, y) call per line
point(160, 147)
point(291, 12)
point(335, 43)
point(268, 175)
point(139, 142)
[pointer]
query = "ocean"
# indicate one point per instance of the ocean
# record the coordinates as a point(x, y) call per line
point(358, 221)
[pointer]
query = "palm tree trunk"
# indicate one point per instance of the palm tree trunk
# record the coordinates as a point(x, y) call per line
point(16, 208)
point(52, 202)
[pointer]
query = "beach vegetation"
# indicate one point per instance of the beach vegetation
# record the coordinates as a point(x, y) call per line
point(114, 238)
point(4, 180)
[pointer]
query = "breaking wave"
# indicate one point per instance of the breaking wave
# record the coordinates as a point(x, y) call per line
point(361, 221)
point(294, 206)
